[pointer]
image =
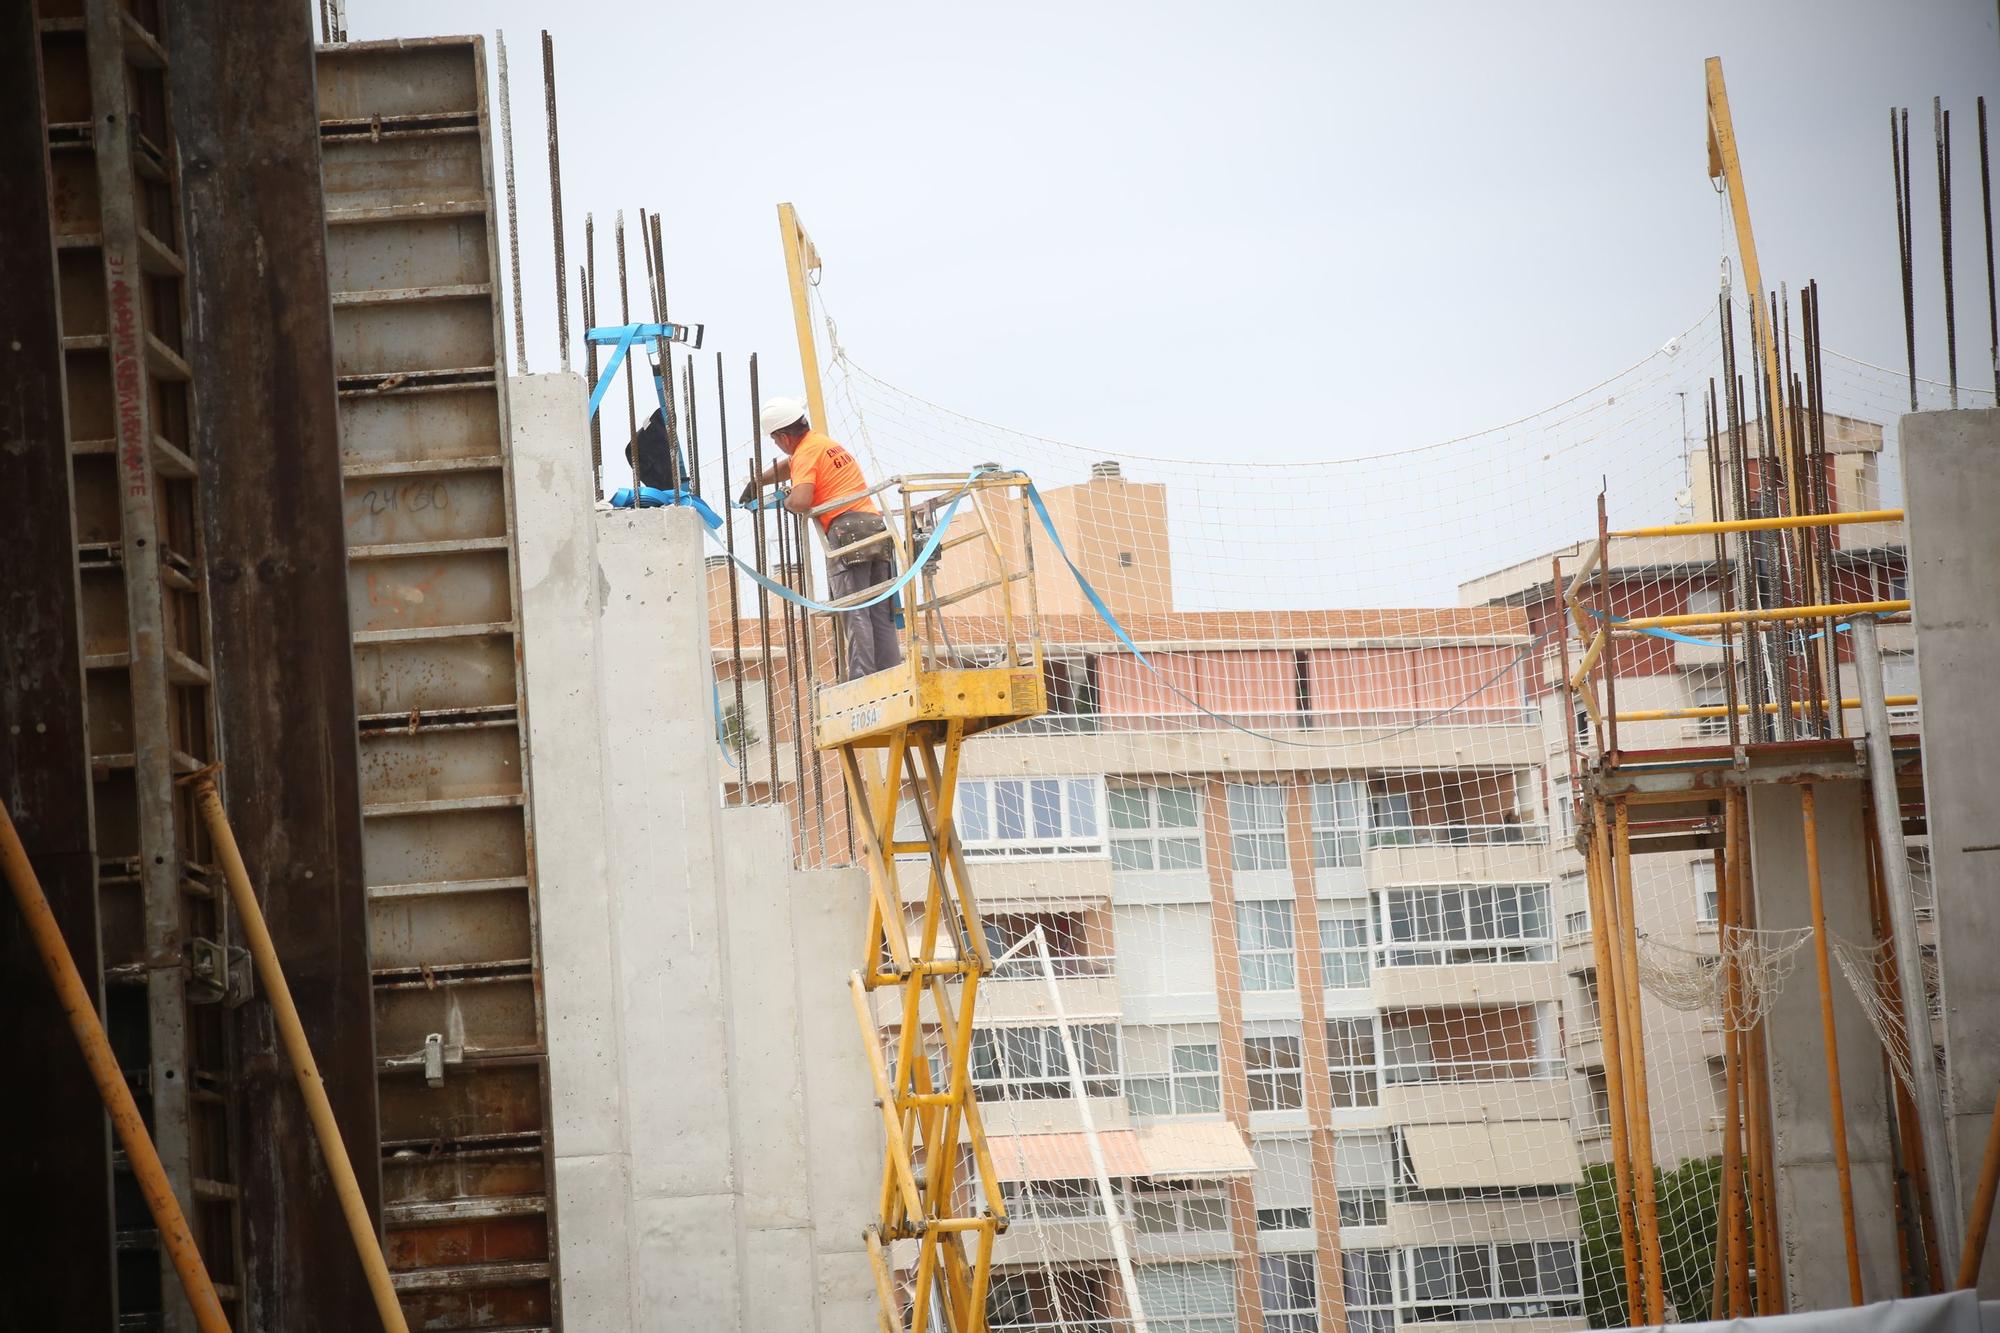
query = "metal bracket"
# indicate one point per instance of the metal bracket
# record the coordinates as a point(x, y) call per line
point(437, 1054)
point(219, 973)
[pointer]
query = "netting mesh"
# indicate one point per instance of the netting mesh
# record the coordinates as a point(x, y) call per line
point(1870, 969)
point(1301, 871)
point(1735, 981)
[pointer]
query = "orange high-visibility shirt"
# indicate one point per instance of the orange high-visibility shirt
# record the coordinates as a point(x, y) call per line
point(833, 473)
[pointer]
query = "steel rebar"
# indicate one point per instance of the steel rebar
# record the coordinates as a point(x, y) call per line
point(1986, 213)
point(670, 424)
point(735, 608)
point(555, 194)
point(513, 218)
point(1941, 126)
point(763, 595)
point(625, 317)
point(1899, 167)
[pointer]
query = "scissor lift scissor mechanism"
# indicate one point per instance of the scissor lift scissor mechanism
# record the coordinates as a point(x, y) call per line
point(899, 735)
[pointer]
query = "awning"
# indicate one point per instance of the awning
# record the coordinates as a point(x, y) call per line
point(1199, 1151)
point(1507, 1153)
point(1064, 1156)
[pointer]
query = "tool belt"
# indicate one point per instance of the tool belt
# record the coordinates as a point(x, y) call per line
point(851, 527)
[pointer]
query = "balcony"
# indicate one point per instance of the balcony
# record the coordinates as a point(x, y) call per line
point(1170, 742)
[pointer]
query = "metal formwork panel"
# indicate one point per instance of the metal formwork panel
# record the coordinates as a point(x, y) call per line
point(136, 472)
point(433, 598)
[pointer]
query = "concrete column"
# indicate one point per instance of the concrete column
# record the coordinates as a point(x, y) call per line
point(1809, 1218)
point(560, 608)
point(1952, 491)
point(716, 1144)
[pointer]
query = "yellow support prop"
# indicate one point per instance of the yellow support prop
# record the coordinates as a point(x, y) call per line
point(1820, 612)
point(1767, 524)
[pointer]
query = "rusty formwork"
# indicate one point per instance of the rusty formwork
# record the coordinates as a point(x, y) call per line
point(434, 602)
point(136, 513)
point(261, 346)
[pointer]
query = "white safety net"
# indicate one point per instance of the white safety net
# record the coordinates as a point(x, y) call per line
point(1302, 869)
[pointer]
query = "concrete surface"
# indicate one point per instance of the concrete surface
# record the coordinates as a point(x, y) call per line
point(716, 1142)
point(1951, 485)
point(1809, 1215)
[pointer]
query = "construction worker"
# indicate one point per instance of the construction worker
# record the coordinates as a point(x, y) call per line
point(820, 472)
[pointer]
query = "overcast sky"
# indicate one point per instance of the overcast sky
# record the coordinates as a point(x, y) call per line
point(1308, 229)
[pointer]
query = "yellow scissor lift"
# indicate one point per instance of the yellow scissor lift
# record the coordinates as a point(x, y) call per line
point(918, 715)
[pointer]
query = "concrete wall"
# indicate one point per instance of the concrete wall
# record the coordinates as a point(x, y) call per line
point(715, 1136)
point(1952, 492)
point(1808, 1192)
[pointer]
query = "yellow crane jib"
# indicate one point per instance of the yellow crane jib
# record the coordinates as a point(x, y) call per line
point(972, 661)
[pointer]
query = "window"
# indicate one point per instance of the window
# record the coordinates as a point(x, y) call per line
point(1339, 822)
point(1029, 816)
point(1026, 1064)
point(1176, 1210)
point(1289, 1289)
point(1705, 903)
point(1597, 1115)
point(1588, 1016)
point(1704, 601)
point(1465, 923)
point(1562, 814)
point(1284, 1219)
point(1030, 1300)
point(1257, 827)
point(1350, 1057)
point(1468, 1044)
point(1711, 691)
point(1071, 952)
point(1576, 924)
point(1362, 1164)
point(1464, 1283)
point(1192, 1085)
point(1459, 1283)
point(1277, 1080)
point(1071, 685)
point(1264, 946)
point(1368, 1286)
point(1390, 820)
point(1052, 1200)
point(1155, 828)
point(1343, 950)
point(1188, 1298)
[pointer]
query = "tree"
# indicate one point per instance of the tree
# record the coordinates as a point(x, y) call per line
point(1686, 1199)
point(737, 733)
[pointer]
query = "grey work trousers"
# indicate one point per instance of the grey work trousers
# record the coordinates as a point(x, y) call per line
point(870, 633)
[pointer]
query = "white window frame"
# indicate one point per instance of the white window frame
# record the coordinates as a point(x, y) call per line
point(1371, 1308)
point(1255, 842)
point(1344, 950)
point(1476, 1276)
point(1364, 1203)
point(1355, 1084)
point(1026, 1062)
point(1562, 813)
point(1288, 1289)
point(1175, 1303)
point(1138, 849)
point(1052, 1202)
point(1707, 900)
point(1282, 1084)
point(1459, 908)
point(1408, 1061)
point(1339, 813)
point(1079, 811)
point(1027, 964)
point(1267, 944)
point(1297, 1217)
point(1191, 1085)
point(1185, 1209)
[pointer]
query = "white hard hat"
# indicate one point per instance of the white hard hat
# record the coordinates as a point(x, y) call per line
point(779, 413)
